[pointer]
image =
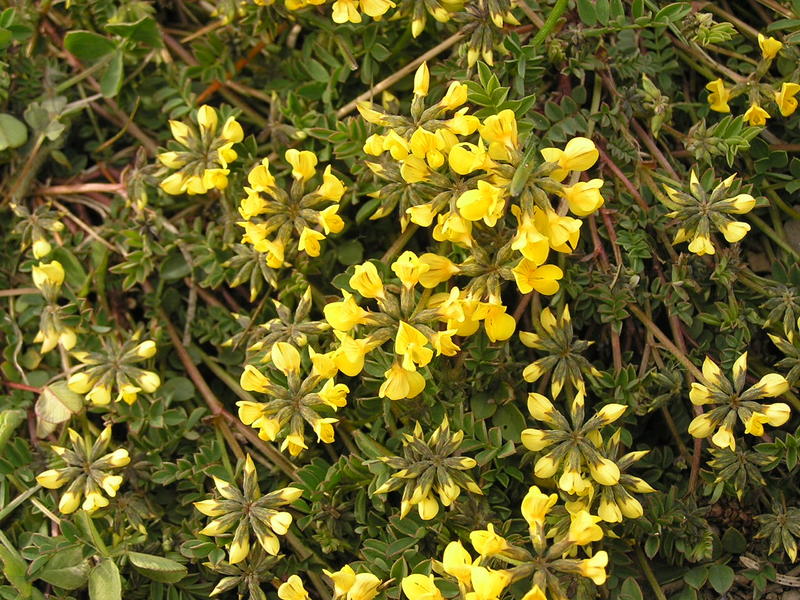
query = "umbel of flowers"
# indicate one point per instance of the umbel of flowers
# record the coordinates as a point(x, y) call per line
point(730, 402)
point(114, 368)
point(199, 156)
point(53, 331)
point(274, 218)
point(429, 469)
point(249, 512)
point(292, 400)
point(700, 213)
point(90, 473)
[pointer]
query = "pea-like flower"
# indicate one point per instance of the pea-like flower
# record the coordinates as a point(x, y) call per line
point(53, 329)
point(732, 402)
point(89, 474)
point(250, 512)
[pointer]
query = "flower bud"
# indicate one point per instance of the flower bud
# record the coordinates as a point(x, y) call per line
point(146, 349)
point(41, 248)
point(149, 381)
point(119, 458)
point(207, 119)
point(99, 395)
point(69, 502)
point(52, 479)
point(772, 385)
point(80, 382)
point(180, 131)
point(422, 80)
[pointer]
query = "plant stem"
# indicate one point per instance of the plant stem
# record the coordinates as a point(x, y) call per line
point(648, 573)
point(550, 23)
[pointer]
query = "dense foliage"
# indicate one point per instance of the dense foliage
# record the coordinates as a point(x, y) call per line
point(417, 299)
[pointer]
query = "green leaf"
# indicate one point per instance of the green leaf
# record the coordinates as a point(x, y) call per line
point(111, 81)
point(88, 46)
point(510, 420)
point(55, 405)
point(696, 577)
point(630, 590)
point(586, 12)
point(733, 541)
point(673, 12)
point(13, 132)
point(350, 253)
point(14, 569)
point(67, 570)
point(105, 582)
point(158, 568)
point(145, 30)
point(721, 578)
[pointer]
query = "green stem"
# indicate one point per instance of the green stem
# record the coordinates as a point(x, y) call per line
point(89, 527)
point(8, 508)
point(648, 573)
point(550, 23)
point(771, 234)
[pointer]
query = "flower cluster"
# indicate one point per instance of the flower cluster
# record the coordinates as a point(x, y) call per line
point(547, 568)
point(53, 330)
point(114, 368)
point(34, 226)
point(89, 471)
point(732, 402)
point(427, 469)
point(200, 155)
point(250, 512)
point(563, 360)
point(292, 401)
point(758, 93)
point(273, 217)
point(699, 212)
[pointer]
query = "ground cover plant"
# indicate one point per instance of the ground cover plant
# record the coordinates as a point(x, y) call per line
point(399, 299)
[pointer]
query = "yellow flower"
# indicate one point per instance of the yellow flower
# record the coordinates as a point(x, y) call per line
point(422, 214)
point(293, 589)
point(149, 381)
point(463, 123)
point(332, 187)
point(427, 145)
point(324, 365)
point(52, 479)
point(498, 323)
point(742, 203)
point(366, 281)
point(500, 131)
point(701, 245)
point(94, 501)
point(410, 343)
point(69, 502)
point(285, 357)
point(232, 131)
point(171, 160)
point(343, 580)
point(401, 383)
point(584, 197)
point(349, 357)
point(309, 241)
point(543, 279)
point(450, 227)
point(579, 154)
point(324, 429)
point(719, 96)
point(376, 8)
point(414, 170)
point(207, 119)
point(346, 314)
point(128, 393)
point(540, 408)
point(583, 528)
point(701, 426)
point(442, 342)
point(455, 96)
point(422, 80)
point(343, 11)
point(369, 114)
point(785, 98)
point(485, 202)
point(365, 587)
point(420, 587)
point(528, 240)
point(409, 268)
point(535, 593)
point(330, 220)
point(260, 179)
point(595, 568)
point(486, 542)
point(772, 385)
point(756, 116)
point(48, 277)
point(41, 248)
point(777, 414)
point(252, 380)
point(464, 158)
point(487, 584)
point(536, 505)
point(562, 233)
point(724, 438)
point(769, 46)
point(457, 562)
point(604, 472)
point(303, 163)
point(180, 131)
point(440, 269)
point(374, 145)
point(334, 394)
point(734, 231)
point(754, 425)
point(295, 443)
